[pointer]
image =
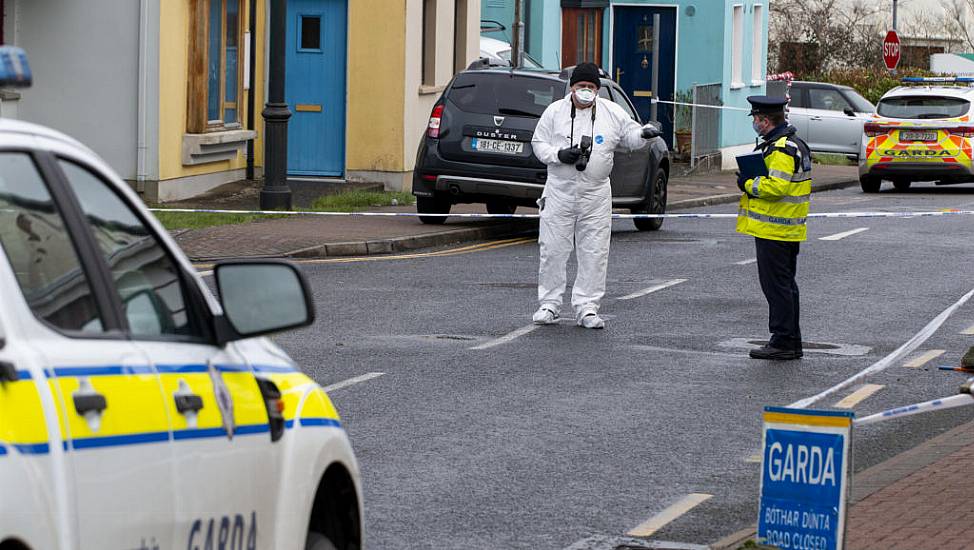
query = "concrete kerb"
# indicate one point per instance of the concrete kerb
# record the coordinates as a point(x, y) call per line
point(454, 236)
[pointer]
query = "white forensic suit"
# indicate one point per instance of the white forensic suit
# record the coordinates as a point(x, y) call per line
point(576, 207)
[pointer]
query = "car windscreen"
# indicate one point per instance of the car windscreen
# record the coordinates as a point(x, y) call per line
point(923, 107)
point(503, 94)
point(859, 103)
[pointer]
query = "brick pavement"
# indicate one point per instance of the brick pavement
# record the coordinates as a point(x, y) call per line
point(917, 500)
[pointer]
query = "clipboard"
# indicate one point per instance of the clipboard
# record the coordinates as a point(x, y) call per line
point(752, 165)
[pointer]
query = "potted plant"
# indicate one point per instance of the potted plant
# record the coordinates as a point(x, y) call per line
point(683, 121)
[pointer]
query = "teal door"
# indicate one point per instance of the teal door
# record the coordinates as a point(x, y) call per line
point(316, 33)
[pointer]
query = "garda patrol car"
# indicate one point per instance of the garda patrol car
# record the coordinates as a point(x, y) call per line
point(921, 132)
point(138, 411)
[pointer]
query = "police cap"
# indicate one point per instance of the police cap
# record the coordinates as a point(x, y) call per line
point(765, 105)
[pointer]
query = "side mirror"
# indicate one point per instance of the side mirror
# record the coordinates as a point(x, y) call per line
point(849, 112)
point(261, 297)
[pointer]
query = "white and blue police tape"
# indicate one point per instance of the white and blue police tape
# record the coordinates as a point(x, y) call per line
point(951, 402)
point(689, 216)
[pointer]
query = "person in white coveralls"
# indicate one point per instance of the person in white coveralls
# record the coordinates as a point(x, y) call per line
point(576, 138)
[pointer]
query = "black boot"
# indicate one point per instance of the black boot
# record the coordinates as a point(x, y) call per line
point(775, 354)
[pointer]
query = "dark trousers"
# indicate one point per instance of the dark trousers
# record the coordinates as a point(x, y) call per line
point(777, 264)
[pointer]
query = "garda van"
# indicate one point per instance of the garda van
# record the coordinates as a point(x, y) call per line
point(138, 410)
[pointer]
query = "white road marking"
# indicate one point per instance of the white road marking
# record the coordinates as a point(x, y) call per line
point(746, 262)
point(654, 288)
point(507, 337)
point(207, 273)
point(754, 459)
point(969, 331)
point(858, 396)
point(843, 235)
point(657, 522)
point(899, 353)
point(351, 381)
point(923, 359)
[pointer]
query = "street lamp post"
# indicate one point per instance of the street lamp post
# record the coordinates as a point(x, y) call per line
point(276, 194)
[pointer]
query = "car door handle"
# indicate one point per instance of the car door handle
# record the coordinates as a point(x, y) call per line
point(816, 117)
point(89, 402)
point(188, 402)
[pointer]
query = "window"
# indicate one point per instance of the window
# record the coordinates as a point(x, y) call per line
point(826, 99)
point(429, 42)
point(757, 45)
point(215, 80)
point(146, 278)
point(41, 251)
point(499, 94)
point(581, 36)
point(923, 107)
point(310, 33)
point(460, 35)
point(737, 48)
point(620, 99)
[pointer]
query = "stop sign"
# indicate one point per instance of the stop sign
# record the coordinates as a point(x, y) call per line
point(891, 50)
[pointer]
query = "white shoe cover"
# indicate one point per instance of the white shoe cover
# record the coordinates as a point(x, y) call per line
point(545, 316)
point(591, 320)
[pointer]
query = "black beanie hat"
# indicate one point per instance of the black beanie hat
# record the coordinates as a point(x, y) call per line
point(586, 72)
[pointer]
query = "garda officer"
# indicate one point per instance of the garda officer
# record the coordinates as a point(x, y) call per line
point(773, 210)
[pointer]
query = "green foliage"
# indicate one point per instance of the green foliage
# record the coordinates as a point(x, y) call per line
point(684, 113)
point(871, 83)
point(359, 200)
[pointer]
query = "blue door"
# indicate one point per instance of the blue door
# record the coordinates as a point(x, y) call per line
point(632, 58)
point(316, 35)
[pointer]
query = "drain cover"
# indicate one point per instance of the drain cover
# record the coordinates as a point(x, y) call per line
point(846, 350)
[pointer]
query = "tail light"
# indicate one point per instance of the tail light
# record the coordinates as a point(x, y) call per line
point(274, 405)
point(433, 130)
point(429, 177)
point(963, 131)
point(873, 129)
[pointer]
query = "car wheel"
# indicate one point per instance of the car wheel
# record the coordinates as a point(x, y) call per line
point(902, 185)
point(317, 541)
point(870, 184)
point(655, 204)
point(496, 207)
point(432, 205)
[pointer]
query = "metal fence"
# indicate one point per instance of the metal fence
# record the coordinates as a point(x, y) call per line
point(705, 122)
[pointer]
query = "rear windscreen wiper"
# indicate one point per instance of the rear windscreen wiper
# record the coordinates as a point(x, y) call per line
point(517, 112)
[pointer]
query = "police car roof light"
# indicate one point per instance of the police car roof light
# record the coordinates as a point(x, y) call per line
point(14, 69)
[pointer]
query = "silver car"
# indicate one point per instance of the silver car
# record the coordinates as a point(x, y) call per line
point(829, 117)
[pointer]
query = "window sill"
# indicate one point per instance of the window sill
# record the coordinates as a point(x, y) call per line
point(757, 83)
point(736, 85)
point(214, 146)
point(428, 90)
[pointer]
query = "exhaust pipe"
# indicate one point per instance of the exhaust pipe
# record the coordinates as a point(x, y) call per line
point(455, 189)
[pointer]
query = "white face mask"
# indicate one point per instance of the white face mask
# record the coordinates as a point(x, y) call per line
point(585, 96)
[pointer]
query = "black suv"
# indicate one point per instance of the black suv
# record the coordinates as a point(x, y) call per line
point(477, 147)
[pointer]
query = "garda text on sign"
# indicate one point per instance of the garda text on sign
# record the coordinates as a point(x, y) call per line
point(804, 478)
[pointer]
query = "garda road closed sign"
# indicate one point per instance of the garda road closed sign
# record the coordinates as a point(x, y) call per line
point(804, 478)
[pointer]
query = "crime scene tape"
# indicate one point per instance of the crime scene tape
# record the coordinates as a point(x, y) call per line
point(954, 401)
point(842, 116)
point(616, 216)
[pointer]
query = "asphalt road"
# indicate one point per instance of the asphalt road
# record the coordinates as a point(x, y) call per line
point(561, 433)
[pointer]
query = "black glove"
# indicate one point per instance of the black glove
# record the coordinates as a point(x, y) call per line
point(569, 155)
point(650, 132)
point(741, 180)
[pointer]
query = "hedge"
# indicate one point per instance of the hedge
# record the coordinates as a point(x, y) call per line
point(870, 83)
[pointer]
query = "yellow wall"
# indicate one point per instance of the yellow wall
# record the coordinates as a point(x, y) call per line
point(173, 75)
point(376, 81)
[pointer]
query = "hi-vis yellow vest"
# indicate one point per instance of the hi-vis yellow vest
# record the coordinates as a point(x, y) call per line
point(776, 206)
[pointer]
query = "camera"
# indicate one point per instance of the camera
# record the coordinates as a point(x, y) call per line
point(585, 145)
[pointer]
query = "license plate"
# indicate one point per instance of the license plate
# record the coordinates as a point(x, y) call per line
point(908, 135)
point(497, 146)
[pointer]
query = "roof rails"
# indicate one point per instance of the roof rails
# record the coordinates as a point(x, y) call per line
point(968, 80)
point(14, 69)
point(487, 63)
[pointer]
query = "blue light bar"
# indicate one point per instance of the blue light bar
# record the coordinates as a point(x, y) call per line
point(936, 79)
point(14, 69)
